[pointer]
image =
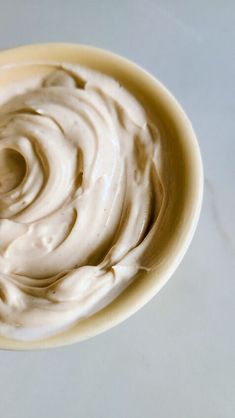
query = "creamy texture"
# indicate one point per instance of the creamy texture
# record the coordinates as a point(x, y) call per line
point(80, 197)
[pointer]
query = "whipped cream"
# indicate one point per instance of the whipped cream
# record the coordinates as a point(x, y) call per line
point(80, 197)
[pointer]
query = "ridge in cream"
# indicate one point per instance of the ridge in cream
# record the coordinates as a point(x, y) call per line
point(80, 197)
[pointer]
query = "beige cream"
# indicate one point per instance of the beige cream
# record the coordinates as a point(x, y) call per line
point(81, 196)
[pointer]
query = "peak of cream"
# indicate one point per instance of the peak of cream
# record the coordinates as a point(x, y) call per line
point(80, 197)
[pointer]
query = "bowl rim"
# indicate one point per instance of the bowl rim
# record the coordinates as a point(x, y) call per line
point(16, 54)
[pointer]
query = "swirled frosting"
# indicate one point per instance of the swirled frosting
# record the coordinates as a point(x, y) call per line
point(80, 197)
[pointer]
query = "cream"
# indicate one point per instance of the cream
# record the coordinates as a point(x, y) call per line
point(80, 197)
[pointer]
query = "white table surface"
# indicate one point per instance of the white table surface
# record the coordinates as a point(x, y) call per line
point(176, 357)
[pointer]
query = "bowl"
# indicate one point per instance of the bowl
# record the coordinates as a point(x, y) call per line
point(184, 189)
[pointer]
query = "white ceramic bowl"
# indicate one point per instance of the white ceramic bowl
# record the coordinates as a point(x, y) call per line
point(184, 188)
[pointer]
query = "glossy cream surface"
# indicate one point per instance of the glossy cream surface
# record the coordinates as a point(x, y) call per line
point(80, 197)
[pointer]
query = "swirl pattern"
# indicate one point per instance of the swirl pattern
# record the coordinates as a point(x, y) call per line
point(79, 198)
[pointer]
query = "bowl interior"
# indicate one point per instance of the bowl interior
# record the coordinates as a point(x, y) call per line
point(182, 165)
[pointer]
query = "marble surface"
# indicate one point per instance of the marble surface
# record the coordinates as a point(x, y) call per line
point(175, 357)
